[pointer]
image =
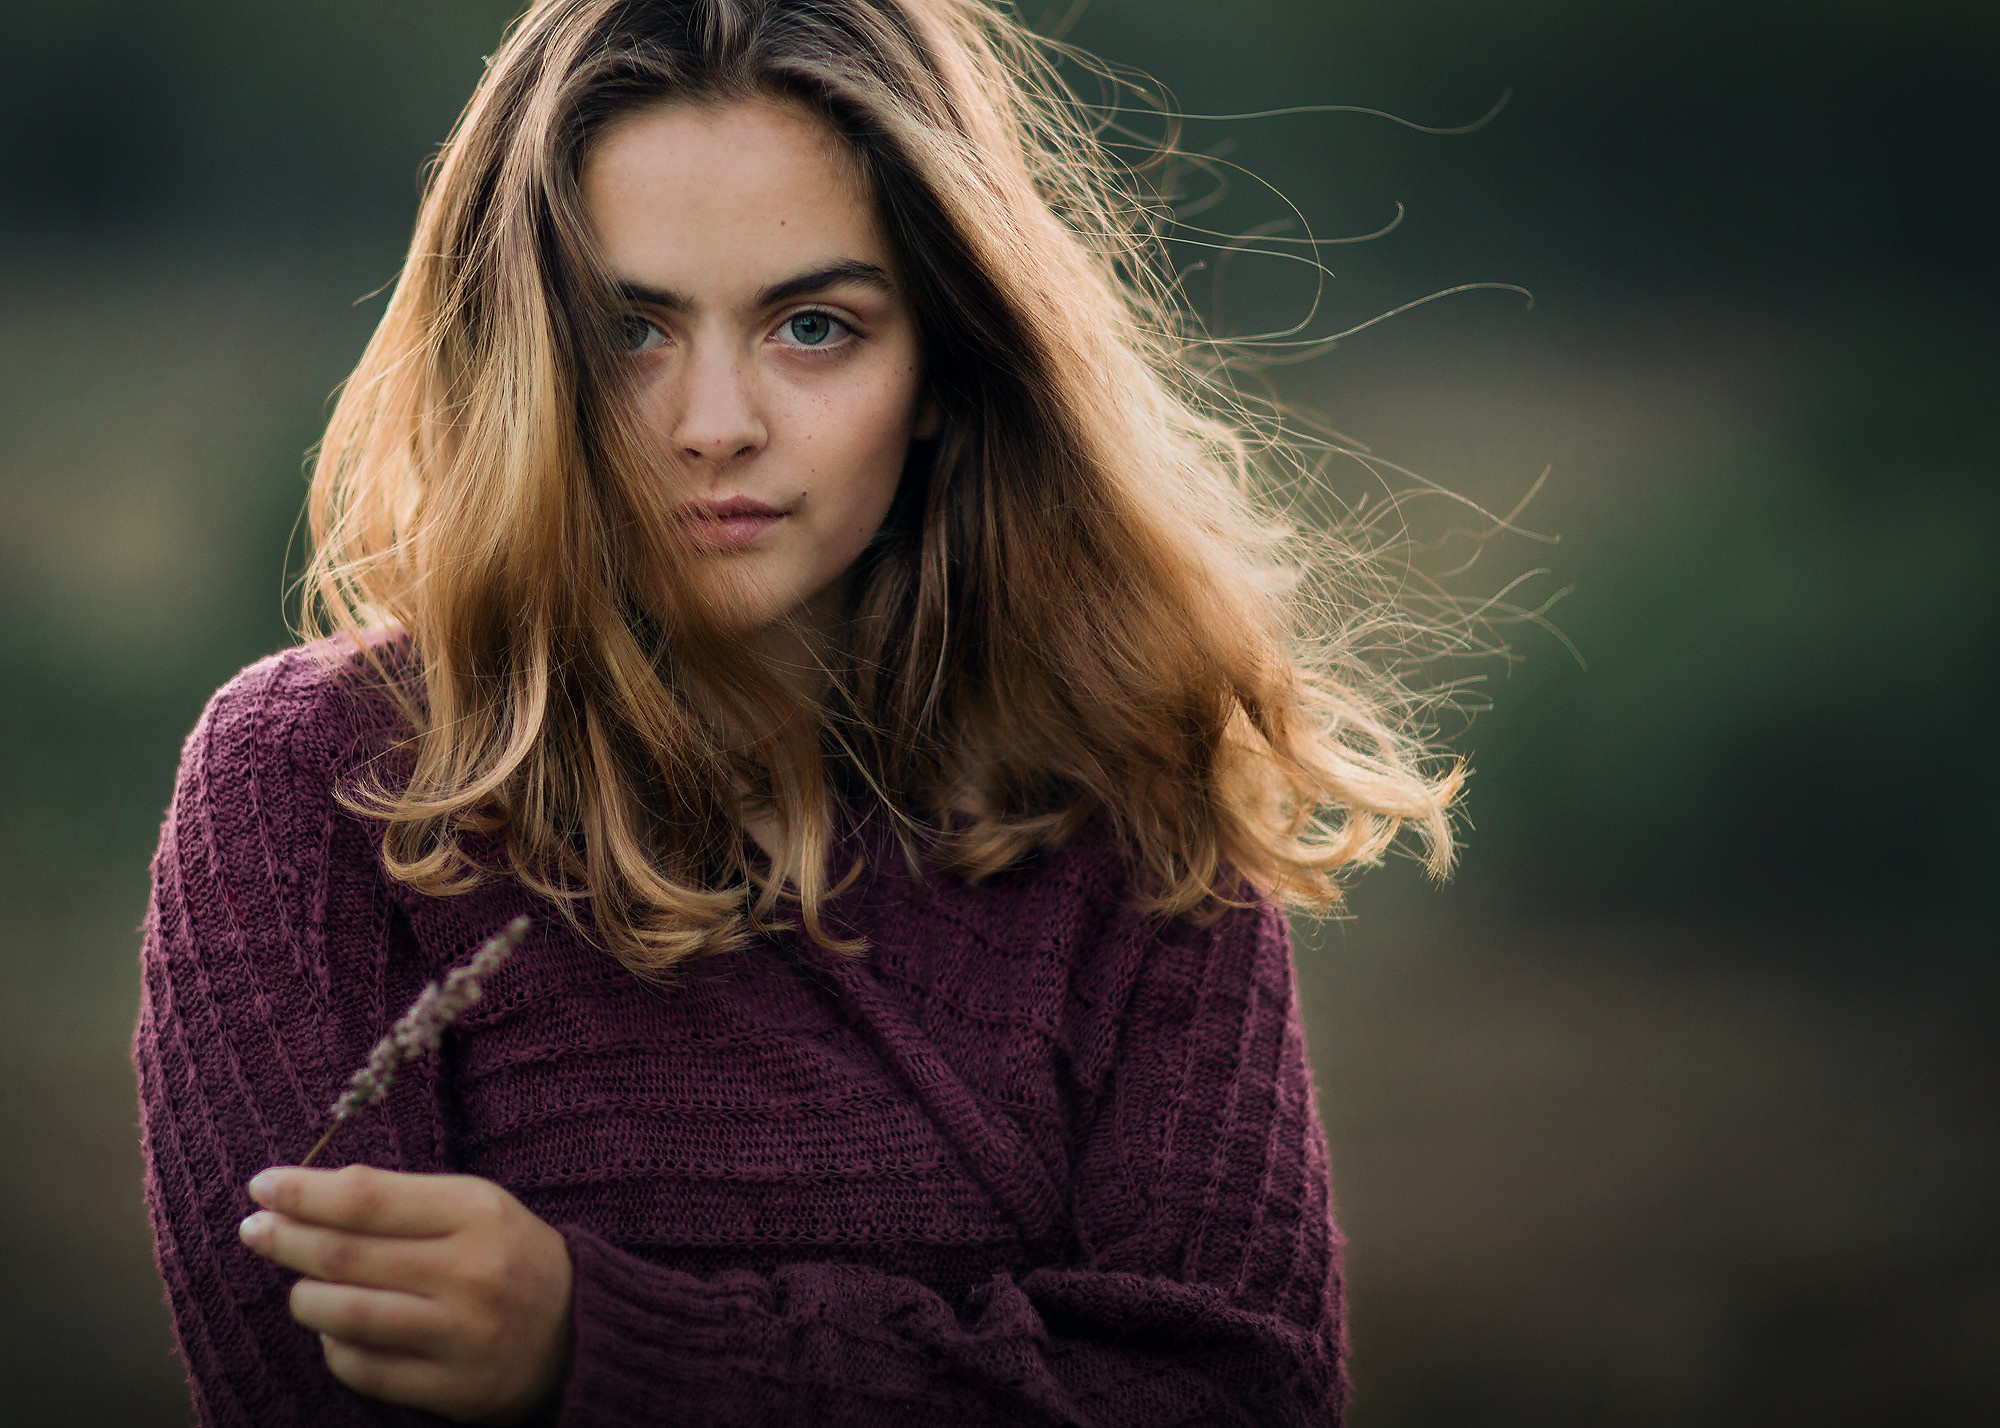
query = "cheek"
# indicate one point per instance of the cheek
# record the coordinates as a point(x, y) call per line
point(654, 404)
point(855, 449)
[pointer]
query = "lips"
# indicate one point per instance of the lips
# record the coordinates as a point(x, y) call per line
point(728, 524)
point(729, 510)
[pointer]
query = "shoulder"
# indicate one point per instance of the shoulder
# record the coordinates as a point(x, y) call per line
point(306, 713)
point(323, 688)
point(260, 772)
point(1089, 898)
point(1130, 955)
point(1083, 904)
point(1065, 944)
point(271, 932)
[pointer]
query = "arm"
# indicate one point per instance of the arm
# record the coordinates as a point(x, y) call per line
point(1203, 1286)
point(270, 963)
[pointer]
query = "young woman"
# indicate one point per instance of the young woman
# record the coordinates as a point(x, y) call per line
point(780, 539)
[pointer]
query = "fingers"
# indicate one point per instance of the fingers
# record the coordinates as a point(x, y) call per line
point(435, 1291)
point(366, 1200)
point(381, 1320)
point(340, 1257)
point(403, 1349)
point(393, 1378)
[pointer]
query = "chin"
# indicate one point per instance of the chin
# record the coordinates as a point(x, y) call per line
point(742, 604)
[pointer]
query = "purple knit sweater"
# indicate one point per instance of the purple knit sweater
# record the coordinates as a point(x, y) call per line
point(1033, 1159)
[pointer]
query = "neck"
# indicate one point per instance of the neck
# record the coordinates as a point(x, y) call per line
point(797, 650)
point(801, 647)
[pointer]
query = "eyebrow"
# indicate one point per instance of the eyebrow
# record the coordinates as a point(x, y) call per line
point(847, 270)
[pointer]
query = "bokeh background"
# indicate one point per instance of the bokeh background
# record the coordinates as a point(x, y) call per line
point(1677, 1104)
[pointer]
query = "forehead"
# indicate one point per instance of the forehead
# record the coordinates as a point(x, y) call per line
point(716, 198)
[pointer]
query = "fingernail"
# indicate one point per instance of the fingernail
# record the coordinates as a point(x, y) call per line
point(262, 1184)
point(253, 1226)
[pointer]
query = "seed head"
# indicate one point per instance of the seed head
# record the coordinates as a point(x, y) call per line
point(422, 1026)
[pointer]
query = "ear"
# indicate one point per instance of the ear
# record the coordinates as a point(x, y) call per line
point(930, 420)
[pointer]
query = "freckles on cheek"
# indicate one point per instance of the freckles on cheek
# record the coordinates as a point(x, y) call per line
point(851, 446)
point(885, 424)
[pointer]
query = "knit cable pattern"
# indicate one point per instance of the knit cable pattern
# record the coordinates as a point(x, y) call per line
point(1034, 1159)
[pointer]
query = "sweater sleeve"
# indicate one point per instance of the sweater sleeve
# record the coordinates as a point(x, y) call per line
point(1202, 1284)
point(269, 958)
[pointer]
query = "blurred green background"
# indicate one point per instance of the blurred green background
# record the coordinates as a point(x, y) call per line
point(1677, 1105)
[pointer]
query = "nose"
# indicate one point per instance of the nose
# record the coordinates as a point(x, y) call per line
point(721, 417)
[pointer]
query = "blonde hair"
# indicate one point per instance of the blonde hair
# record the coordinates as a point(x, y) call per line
point(1085, 601)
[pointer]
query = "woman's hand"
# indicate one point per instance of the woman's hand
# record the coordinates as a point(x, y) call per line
point(437, 1291)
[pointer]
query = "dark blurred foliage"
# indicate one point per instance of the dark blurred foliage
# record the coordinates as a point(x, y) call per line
point(1764, 152)
point(1792, 636)
point(1789, 636)
point(1676, 1105)
point(267, 123)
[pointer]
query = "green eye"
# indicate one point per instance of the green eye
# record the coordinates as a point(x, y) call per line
point(634, 333)
point(810, 329)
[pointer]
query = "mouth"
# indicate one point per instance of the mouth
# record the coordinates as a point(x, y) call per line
point(730, 524)
point(729, 510)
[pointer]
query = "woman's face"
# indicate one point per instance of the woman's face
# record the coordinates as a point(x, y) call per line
point(775, 362)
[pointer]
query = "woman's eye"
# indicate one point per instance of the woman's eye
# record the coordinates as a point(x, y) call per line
point(636, 334)
point(812, 329)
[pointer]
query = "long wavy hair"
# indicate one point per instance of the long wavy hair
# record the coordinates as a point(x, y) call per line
point(1087, 600)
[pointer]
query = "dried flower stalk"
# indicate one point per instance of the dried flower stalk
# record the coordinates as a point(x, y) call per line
point(422, 1026)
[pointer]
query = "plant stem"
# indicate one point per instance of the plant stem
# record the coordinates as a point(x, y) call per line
point(322, 1144)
